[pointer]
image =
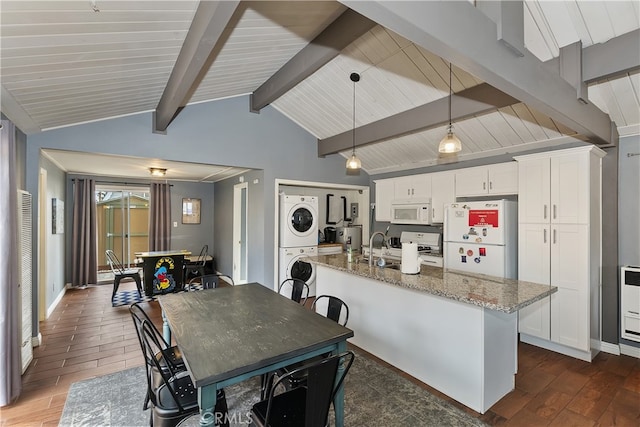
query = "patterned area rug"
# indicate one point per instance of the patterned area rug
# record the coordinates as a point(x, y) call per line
point(129, 297)
point(374, 396)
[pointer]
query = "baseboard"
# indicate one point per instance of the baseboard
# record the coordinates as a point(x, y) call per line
point(630, 350)
point(36, 341)
point(55, 302)
point(610, 348)
point(558, 348)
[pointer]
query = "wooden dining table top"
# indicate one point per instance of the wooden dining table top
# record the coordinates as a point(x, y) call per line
point(227, 332)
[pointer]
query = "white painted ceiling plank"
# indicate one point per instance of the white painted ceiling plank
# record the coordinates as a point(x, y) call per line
point(627, 97)
point(88, 49)
point(529, 121)
point(597, 20)
point(541, 29)
point(624, 15)
point(557, 17)
point(548, 126)
point(495, 124)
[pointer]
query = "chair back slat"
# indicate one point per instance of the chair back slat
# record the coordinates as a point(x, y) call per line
point(320, 383)
point(296, 289)
point(114, 262)
point(335, 308)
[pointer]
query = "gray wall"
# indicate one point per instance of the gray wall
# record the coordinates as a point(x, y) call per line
point(222, 133)
point(629, 206)
point(55, 243)
point(192, 236)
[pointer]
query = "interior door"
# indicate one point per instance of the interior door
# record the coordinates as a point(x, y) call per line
point(240, 247)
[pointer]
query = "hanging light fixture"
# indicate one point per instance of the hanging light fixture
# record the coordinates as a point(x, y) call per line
point(450, 143)
point(157, 171)
point(353, 163)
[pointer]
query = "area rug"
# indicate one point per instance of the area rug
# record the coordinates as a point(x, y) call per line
point(374, 396)
point(129, 297)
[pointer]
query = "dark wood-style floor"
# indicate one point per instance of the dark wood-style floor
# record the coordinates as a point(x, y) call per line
point(85, 337)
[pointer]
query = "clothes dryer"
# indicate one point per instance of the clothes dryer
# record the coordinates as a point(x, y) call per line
point(298, 221)
point(294, 266)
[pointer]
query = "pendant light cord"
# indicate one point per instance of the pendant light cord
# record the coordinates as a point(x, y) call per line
point(354, 117)
point(450, 95)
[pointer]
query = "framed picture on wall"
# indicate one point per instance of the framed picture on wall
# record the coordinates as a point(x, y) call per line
point(57, 216)
point(191, 211)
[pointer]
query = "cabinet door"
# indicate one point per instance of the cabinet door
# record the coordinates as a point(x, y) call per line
point(471, 182)
point(570, 189)
point(503, 178)
point(570, 273)
point(534, 265)
point(443, 192)
point(412, 187)
point(384, 196)
point(534, 184)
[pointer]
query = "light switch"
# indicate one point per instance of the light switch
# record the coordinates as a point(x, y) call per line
point(175, 224)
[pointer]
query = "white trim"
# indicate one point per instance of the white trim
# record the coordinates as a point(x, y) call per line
point(610, 348)
point(36, 341)
point(630, 350)
point(629, 130)
point(55, 303)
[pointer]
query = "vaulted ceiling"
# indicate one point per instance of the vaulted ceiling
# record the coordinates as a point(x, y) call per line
point(70, 62)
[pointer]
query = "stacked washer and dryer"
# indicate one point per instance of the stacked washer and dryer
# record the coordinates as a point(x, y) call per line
point(298, 238)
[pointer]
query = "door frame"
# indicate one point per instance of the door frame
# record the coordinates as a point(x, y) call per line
point(240, 217)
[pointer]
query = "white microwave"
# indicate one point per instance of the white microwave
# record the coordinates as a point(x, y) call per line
point(411, 212)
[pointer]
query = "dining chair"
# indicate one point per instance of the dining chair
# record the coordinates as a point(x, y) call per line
point(176, 397)
point(304, 406)
point(207, 281)
point(296, 289)
point(336, 310)
point(120, 272)
point(197, 267)
point(171, 362)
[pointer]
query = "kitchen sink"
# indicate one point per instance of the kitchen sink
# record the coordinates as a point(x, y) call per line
point(394, 265)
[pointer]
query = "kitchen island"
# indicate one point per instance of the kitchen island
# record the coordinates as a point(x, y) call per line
point(455, 331)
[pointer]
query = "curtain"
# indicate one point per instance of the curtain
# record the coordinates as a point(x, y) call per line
point(10, 358)
point(160, 217)
point(84, 262)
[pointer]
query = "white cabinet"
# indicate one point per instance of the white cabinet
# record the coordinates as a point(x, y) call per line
point(555, 189)
point(443, 192)
point(559, 244)
point(501, 178)
point(384, 196)
point(412, 187)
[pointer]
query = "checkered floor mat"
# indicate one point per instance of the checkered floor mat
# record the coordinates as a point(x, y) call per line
point(128, 298)
point(131, 296)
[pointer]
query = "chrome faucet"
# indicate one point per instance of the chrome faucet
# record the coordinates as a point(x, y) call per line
point(384, 242)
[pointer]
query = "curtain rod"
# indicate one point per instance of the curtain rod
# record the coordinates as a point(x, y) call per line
point(121, 183)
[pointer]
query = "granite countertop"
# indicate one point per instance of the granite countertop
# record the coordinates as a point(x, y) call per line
point(495, 293)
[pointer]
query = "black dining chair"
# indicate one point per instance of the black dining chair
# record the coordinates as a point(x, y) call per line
point(120, 272)
point(175, 398)
point(306, 406)
point(207, 281)
point(336, 310)
point(197, 268)
point(171, 360)
point(296, 289)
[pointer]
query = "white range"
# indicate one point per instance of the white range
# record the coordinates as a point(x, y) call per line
point(429, 248)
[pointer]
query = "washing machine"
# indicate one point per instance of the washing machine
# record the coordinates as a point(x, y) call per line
point(298, 221)
point(294, 266)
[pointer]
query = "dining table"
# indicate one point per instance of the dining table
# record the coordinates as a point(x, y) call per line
point(230, 334)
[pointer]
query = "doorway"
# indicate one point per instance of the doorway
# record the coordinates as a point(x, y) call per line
point(240, 247)
point(122, 224)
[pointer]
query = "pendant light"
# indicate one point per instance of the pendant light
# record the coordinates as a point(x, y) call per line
point(353, 163)
point(450, 143)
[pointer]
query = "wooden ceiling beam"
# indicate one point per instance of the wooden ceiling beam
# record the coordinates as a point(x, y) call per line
point(470, 102)
point(209, 30)
point(462, 34)
point(347, 28)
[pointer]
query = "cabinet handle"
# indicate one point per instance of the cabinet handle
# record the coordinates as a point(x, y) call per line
point(554, 236)
point(408, 191)
point(545, 236)
point(484, 185)
point(490, 185)
point(555, 211)
point(545, 212)
point(412, 191)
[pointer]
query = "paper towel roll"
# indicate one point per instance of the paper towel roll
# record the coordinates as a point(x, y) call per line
point(410, 263)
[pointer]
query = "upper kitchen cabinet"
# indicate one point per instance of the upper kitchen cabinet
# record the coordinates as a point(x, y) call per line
point(412, 187)
point(384, 196)
point(498, 179)
point(555, 187)
point(443, 192)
